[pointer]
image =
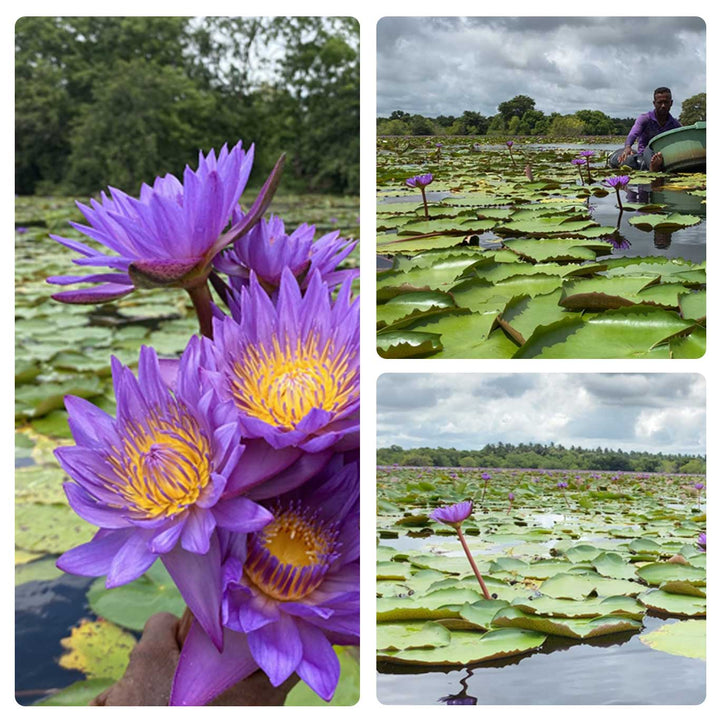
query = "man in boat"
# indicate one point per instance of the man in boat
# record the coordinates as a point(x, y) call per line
point(646, 127)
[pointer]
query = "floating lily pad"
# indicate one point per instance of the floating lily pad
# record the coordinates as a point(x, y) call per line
point(131, 605)
point(411, 636)
point(49, 528)
point(685, 638)
point(657, 573)
point(468, 648)
point(674, 604)
point(98, 649)
point(78, 694)
point(565, 627)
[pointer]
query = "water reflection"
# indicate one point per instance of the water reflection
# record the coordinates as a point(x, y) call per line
point(615, 669)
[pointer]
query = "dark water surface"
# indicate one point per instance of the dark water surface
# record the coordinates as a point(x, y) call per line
point(615, 670)
point(45, 612)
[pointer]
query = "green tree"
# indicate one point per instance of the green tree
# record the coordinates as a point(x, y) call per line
point(693, 109)
point(566, 126)
point(533, 122)
point(595, 122)
point(516, 107)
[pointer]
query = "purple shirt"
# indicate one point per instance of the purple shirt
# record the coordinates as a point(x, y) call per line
point(646, 127)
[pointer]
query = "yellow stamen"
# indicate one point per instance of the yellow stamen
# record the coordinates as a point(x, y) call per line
point(287, 560)
point(281, 384)
point(164, 461)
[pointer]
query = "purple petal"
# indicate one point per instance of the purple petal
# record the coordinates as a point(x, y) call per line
point(199, 580)
point(306, 467)
point(203, 672)
point(95, 557)
point(91, 510)
point(241, 515)
point(197, 531)
point(277, 649)
point(131, 561)
point(319, 667)
point(258, 463)
point(98, 294)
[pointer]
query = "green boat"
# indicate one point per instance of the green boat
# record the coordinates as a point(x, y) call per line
point(683, 149)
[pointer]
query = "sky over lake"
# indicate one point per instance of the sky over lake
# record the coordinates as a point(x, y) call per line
point(443, 66)
point(657, 412)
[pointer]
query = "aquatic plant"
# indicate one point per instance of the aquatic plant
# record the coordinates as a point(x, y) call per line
point(617, 182)
point(235, 465)
point(421, 181)
point(454, 515)
point(510, 144)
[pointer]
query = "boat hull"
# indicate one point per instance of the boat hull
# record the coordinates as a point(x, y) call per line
point(683, 149)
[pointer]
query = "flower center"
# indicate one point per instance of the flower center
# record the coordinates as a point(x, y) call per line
point(289, 558)
point(164, 462)
point(281, 384)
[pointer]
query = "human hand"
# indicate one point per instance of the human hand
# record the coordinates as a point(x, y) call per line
point(148, 678)
point(625, 154)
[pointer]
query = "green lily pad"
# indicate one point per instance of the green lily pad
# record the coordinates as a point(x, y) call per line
point(685, 638)
point(587, 608)
point(131, 605)
point(565, 627)
point(98, 649)
point(406, 343)
point(411, 636)
point(468, 648)
point(49, 528)
point(657, 573)
point(78, 694)
point(674, 604)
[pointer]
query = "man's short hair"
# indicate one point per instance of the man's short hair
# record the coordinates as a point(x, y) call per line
point(661, 90)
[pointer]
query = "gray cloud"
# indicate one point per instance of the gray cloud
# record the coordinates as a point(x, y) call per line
point(438, 66)
point(632, 411)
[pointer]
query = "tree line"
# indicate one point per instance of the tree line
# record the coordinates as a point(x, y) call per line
point(538, 456)
point(518, 116)
point(118, 100)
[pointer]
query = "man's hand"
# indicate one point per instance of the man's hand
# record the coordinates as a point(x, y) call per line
point(625, 154)
point(148, 678)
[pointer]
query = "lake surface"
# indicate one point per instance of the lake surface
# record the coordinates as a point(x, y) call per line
point(613, 670)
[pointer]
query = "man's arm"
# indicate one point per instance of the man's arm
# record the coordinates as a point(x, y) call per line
point(633, 135)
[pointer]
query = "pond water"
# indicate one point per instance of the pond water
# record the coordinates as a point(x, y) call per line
point(614, 670)
point(687, 243)
point(45, 612)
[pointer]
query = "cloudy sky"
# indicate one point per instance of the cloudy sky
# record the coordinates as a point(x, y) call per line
point(442, 66)
point(653, 412)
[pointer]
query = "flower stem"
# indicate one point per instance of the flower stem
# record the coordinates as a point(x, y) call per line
point(461, 537)
point(483, 493)
point(587, 167)
point(427, 215)
point(201, 300)
point(512, 158)
point(619, 201)
point(184, 626)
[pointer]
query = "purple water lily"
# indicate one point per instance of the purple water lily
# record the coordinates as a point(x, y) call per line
point(291, 369)
point(617, 181)
point(170, 235)
point(453, 514)
point(702, 541)
point(267, 249)
point(421, 181)
point(153, 480)
point(291, 591)
point(510, 144)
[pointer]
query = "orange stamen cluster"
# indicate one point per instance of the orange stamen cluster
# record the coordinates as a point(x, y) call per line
point(289, 558)
point(282, 383)
point(164, 462)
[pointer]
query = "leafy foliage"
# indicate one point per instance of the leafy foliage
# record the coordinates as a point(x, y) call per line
point(117, 100)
